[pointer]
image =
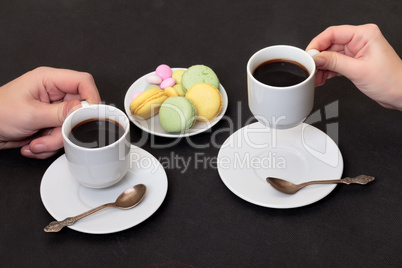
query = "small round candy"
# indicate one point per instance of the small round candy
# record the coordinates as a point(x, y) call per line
point(163, 71)
point(153, 79)
point(168, 82)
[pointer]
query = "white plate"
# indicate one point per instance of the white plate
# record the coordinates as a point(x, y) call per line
point(152, 125)
point(298, 154)
point(63, 196)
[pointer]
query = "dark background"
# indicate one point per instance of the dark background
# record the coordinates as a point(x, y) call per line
point(201, 223)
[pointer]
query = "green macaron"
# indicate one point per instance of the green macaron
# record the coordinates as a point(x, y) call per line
point(177, 114)
point(199, 74)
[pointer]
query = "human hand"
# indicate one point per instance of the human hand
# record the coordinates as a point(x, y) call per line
point(34, 106)
point(363, 55)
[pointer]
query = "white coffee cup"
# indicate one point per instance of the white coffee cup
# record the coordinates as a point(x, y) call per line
point(281, 107)
point(97, 167)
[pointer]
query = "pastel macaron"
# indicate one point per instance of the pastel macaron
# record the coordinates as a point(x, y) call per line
point(171, 92)
point(180, 89)
point(136, 94)
point(199, 74)
point(207, 100)
point(151, 86)
point(176, 90)
point(148, 103)
point(177, 75)
point(177, 114)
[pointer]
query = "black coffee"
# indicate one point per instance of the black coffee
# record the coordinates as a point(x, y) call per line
point(280, 73)
point(96, 133)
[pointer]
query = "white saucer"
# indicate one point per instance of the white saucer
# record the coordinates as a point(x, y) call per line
point(63, 197)
point(298, 154)
point(152, 125)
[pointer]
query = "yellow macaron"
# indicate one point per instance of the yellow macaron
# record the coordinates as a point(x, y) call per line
point(171, 92)
point(148, 103)
point(177, 75)
point(207, 99)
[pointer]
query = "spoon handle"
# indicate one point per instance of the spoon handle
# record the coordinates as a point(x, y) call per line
point(361, 179)
point(321, 182)
point(56, 226)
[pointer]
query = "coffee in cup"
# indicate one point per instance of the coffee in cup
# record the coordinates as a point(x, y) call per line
point(96, 133)
point(280, 73)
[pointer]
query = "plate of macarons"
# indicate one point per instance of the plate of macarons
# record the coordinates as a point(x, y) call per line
point(176, 102)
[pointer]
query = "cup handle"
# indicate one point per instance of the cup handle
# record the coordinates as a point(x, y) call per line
point(84, 104)
point(313, 52)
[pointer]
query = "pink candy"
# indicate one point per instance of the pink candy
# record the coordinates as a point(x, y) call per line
point(162, 77)
point(153, 79)
point(163, 71)
point(168, 82)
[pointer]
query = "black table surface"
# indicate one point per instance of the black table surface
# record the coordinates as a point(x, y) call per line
point(201, 223)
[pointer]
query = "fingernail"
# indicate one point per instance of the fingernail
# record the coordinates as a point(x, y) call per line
point(319, 61)
point(27, 151)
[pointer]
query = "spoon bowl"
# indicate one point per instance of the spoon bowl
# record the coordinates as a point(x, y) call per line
point(130, 198)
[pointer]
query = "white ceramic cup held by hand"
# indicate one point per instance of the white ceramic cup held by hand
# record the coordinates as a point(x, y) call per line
point(97, 167)
point(281, 107)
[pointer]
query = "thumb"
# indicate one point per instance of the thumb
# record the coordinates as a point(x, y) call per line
point(54, 114)
point(338, 63)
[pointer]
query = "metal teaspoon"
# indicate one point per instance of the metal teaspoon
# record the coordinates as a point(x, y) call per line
point(126, 200)
point(291, 188)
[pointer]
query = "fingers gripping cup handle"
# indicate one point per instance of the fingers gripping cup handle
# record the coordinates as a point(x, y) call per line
point(313, 52)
